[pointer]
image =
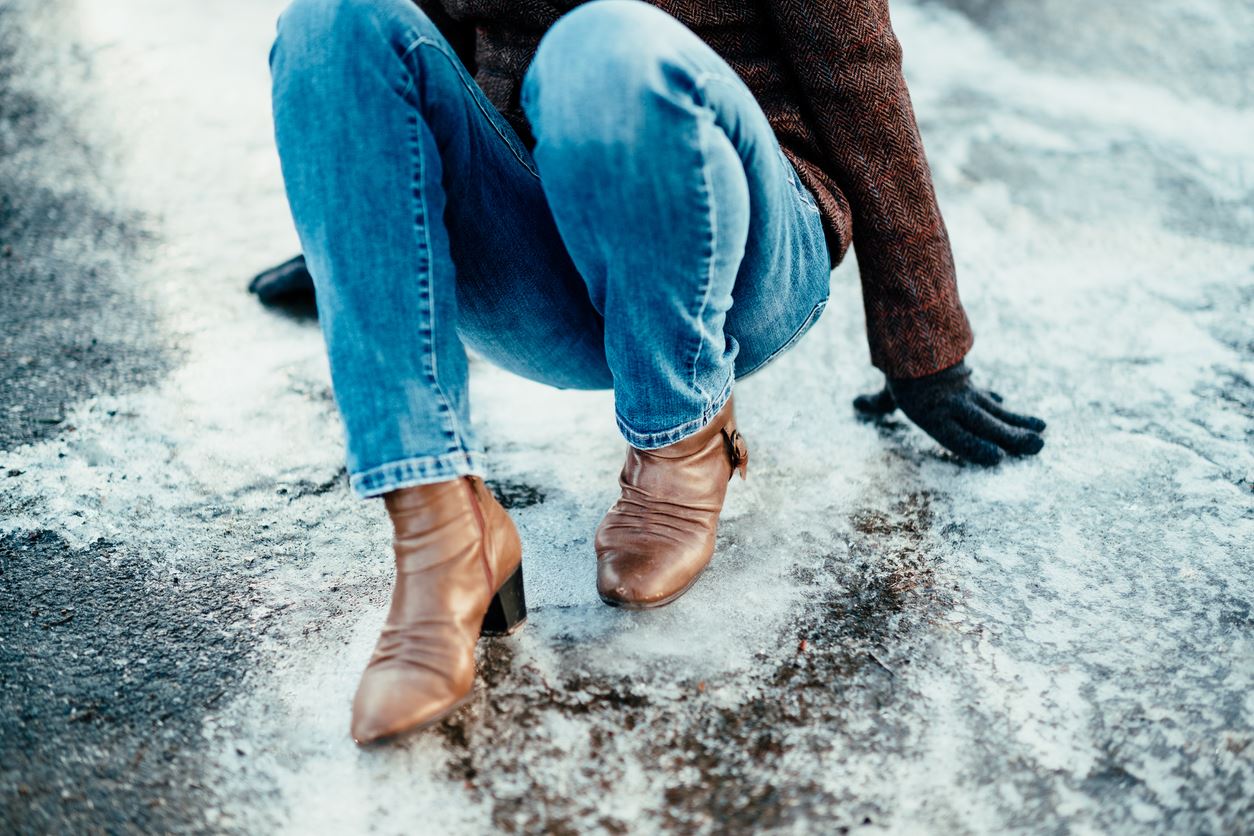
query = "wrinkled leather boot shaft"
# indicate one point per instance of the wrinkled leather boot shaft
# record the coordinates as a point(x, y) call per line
point(659, 536)
point(455, 549)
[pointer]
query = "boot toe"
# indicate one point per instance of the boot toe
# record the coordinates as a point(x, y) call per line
point(392, 701)
point(639, 580)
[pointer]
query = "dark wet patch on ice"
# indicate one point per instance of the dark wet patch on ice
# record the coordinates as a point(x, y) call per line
point(515, 495)
point(887, 572)
point(107, 670)
point(68, 328)
point(710, 764)
point(306, 487)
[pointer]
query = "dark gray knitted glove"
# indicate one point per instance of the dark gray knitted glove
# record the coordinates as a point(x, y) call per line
point(284, 285)
point(971, 422)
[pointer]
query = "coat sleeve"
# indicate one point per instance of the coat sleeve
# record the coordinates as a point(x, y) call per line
point(846, 62)
point(459, 34)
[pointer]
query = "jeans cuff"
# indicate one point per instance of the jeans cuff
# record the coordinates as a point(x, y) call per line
point(661, 438)
point(407, 473)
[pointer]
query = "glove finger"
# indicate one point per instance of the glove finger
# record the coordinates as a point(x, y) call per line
point(994, 395)
point(1014, 419)
point(962, 442)
point(881, 403)
point(1012, 439)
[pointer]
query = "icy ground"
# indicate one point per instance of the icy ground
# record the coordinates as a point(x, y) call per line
point(887, 641)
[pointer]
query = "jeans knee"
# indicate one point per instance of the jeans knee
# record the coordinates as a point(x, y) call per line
point(319, 33)
point(613, 57)
point(312, 27)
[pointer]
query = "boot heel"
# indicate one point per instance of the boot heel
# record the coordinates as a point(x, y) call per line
point(508, 611)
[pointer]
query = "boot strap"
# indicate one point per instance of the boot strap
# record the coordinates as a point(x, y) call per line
point(737, 450)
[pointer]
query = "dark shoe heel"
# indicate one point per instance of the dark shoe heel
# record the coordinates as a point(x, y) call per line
point(508, 610)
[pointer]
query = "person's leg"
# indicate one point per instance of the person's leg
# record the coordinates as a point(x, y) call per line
point(671, 193)
point(373, 114)
point(701, 250)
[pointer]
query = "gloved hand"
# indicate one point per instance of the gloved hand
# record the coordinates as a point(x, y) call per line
point(286, 285)
point(971, 422)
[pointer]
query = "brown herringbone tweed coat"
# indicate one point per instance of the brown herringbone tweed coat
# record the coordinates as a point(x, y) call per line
point(827, 73)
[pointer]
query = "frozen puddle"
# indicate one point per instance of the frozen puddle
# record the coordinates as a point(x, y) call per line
point(886, 641)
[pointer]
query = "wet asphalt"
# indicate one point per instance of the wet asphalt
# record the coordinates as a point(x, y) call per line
point(106, 667)
point(61, 254)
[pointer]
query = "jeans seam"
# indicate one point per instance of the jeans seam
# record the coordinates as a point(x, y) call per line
point(710, 250)
point(452, 423)
point(790, 171)
point(802, 329)
point(471, 89)
point(426, 293)
point(698, 83)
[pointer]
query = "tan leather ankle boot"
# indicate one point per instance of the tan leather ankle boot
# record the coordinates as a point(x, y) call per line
point(458, 573)
point(659, 536)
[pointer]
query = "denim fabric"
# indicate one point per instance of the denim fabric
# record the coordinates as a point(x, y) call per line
point(655, 240)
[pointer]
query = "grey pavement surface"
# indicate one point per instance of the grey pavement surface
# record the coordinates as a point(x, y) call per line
point(887, 641)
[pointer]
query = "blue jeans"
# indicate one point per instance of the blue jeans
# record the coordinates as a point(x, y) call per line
point(656, 240)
